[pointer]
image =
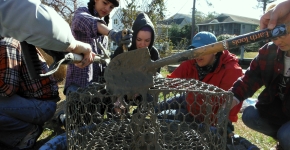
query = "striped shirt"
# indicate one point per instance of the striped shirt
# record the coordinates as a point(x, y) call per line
point(84, 28)
point(14, 77)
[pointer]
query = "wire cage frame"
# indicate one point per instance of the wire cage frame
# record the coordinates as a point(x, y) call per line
point(172, 114)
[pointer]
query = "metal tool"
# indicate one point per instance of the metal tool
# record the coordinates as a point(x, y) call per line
point(72, 58)
point(132, 72)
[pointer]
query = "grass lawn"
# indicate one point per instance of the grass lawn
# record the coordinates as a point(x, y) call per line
point(248, 54)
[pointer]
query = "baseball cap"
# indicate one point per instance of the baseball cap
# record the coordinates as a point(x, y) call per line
point(203, 38)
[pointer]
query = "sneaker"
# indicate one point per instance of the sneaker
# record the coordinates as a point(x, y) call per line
point(61, 119)
point(30, 139)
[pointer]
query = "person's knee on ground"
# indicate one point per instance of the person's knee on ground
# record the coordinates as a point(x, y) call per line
point(283, 136)
point(250, 114)
point(252, 119)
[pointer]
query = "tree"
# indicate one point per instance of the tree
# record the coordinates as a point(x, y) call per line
point(263, 4)
point(174, 34)
point(186, 30)
point(153, 8)
point(201, 17)
point(180, 37)
point(65, 8)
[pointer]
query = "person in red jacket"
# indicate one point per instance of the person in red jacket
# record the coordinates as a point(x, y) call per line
point(219, 69)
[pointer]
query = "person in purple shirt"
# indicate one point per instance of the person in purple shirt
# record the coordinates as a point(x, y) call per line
point(90, 25)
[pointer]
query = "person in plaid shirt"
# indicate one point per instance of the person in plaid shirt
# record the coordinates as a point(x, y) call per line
point(25, 104)
point(269, 69)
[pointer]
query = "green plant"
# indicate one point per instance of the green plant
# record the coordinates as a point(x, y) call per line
point(164, 72)
point(224, 37)
point(257, 93)
point(228, 36)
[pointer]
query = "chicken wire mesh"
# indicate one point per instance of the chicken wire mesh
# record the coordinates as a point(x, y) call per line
point(98, 120)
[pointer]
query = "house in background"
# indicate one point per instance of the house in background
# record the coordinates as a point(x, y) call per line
point(162, 28)
point(116, 20)
point(229, 24)
point(179, 19)
point(116, 24)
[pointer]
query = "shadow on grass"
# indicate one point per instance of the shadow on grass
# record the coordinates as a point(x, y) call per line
point(51, 129)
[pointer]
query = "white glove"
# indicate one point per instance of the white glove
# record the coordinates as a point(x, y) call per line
point(235, 102)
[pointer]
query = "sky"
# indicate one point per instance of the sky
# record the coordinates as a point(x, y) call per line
point(246, 8)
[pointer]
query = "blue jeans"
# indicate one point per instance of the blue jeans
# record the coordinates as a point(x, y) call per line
point(174, 109)
point(252, 119)
point(18, 116)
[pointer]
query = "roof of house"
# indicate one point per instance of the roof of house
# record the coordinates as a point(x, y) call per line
point(172, 21)
point(180, 15)
point(177, 18)
point(228, 18)
point(117, 13)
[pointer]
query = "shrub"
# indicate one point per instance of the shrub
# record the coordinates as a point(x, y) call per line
point(228, 36)
point(224, 37)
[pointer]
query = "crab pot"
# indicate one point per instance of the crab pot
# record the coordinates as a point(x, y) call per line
point(172, 114)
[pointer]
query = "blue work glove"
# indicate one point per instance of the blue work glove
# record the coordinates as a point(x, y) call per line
point(116, 36)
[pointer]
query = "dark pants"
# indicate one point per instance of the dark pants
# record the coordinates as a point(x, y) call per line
point(174, 108)
point(253, 120)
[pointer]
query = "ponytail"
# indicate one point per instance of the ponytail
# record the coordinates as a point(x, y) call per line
point(107, 19)
point(91, 5)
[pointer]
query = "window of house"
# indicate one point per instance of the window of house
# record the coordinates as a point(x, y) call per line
point(254, 27)
point(243, 26)
point(115, 21)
